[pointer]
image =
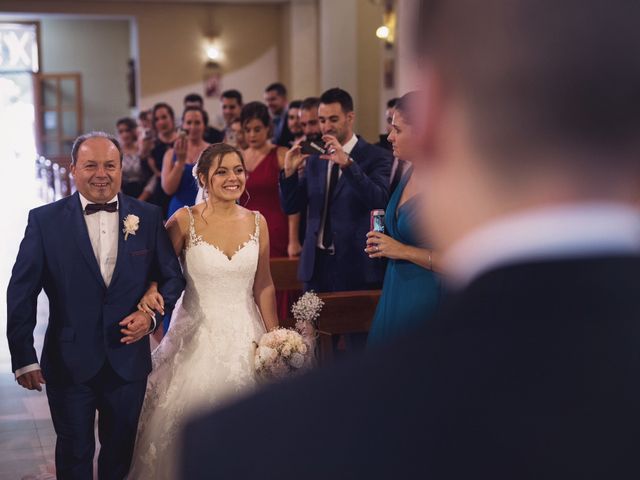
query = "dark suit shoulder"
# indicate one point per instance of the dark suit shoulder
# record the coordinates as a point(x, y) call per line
point(366, 150)
point(53, 208)
point(148, 209)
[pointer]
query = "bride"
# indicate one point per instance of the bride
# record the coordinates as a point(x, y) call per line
point(206, 357)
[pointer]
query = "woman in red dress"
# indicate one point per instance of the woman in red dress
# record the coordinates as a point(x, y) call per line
point(264, 161)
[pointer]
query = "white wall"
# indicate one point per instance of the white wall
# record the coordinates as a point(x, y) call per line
point(338, 45)
point(99, 50)
point(304, 50)
point(250, 80)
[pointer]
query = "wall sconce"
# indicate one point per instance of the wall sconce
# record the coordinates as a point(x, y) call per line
point(212, 50)
point(387, 31)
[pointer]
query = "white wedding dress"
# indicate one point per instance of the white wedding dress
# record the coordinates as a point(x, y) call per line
point(206, 358)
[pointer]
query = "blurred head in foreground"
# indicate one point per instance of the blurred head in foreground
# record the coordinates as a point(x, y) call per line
point(526, 104)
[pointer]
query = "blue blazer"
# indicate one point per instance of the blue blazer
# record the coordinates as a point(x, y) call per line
point(362, 187)
point(83, 331)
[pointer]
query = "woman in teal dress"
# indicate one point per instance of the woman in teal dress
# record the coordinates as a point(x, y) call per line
point(411, 289)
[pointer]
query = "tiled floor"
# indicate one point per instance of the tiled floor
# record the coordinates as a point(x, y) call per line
point(27, 438)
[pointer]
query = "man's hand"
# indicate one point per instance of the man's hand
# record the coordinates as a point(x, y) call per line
point(136, 326)
point(293, 160)
point(32, 380)
point(294, 249)
point(335, 153)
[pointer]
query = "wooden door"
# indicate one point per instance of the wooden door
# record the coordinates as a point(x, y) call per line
point(58, 101)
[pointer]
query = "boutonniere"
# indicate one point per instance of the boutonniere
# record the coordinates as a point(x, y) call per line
point(131, 224)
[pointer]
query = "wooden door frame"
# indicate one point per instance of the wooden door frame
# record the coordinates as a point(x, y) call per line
point(39, 107)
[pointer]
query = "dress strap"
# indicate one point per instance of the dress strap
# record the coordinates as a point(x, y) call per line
point(192, 227)
point(256, 234)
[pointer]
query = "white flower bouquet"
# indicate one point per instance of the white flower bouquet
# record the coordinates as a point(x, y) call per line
point(284, 352)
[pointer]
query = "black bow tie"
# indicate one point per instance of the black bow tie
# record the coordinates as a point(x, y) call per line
point(92, 208)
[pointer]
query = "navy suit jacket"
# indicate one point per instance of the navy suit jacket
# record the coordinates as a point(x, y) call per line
point(83, 331)
point(531, 372)
point(362, 187)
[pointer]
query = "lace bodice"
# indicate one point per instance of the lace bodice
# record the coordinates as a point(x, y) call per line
point(215, 277)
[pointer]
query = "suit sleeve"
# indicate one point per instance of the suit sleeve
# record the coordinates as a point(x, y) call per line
point(166, 268)
point(373, 187)
point(293, 193)
point(22, 296)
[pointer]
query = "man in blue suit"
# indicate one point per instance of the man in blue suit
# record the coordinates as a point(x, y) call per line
point(94, 254)
point(338, 190)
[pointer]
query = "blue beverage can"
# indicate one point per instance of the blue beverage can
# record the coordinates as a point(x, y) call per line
point(377, 221)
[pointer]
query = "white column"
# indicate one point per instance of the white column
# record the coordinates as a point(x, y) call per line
point(406, 75)
point(338, 45)
point(304, 49)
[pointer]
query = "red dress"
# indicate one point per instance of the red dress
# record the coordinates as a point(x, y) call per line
point(262, 188)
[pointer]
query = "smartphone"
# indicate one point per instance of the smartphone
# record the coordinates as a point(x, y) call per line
point(377, 221)
point(311, 147)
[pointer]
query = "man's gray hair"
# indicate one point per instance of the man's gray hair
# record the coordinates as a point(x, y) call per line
point(82, 138)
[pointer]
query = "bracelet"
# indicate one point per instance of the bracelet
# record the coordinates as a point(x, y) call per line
point(430, 260)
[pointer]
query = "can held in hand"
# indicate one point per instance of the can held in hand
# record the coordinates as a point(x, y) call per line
point(377, 221)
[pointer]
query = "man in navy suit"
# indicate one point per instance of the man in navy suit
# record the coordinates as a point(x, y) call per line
point(338, 190)
point(94, 254)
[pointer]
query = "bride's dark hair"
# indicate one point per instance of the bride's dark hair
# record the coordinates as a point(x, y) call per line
point(211, 155)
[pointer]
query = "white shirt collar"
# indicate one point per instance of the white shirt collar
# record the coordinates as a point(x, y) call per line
point(351, 143)
point(84, 202)
point(578, 230)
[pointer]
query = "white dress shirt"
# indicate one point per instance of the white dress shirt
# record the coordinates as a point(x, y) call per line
point(103, 232)
point(568, 231)
point(347, 147)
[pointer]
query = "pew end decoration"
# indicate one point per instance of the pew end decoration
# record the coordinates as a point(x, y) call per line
point(285, 352)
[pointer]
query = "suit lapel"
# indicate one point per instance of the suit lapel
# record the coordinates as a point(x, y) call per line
point(124, 209)
point(81, 236)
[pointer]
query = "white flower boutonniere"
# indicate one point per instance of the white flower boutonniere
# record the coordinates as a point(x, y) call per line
point(131, 224)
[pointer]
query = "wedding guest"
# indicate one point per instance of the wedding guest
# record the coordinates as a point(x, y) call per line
point(231, 106)
point(264, 161)
point(211, 134)
point(177, 178)
point(165, 135)
point(293, 121)
point(383, 141)
point(309, 118)
point(530, 371)
point(144, 122)
point(235, 135)
point(275, 96)
point(411, 289)
point(338, 190)
point(137, 178)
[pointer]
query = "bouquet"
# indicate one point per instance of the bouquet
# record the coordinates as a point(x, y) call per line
point(284, 352)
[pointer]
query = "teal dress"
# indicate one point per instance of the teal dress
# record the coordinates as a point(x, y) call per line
point(410, 293)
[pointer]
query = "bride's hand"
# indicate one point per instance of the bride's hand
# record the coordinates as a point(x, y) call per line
point(152, 301)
